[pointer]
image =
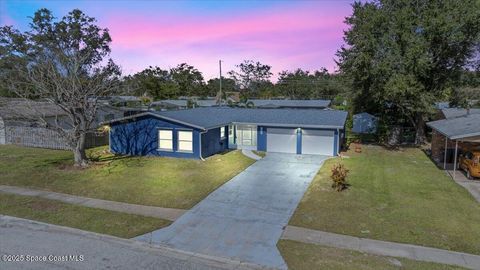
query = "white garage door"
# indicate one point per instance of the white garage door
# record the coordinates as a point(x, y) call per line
point(317, 142)
point(282, 140)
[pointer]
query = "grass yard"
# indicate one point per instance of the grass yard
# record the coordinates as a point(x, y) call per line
point(156, 181)
point(308, 256)
point(84, 218)
point(398, 196)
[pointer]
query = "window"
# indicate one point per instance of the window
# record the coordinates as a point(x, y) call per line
point(165, 139)
point(222, 132)
point(185, 139)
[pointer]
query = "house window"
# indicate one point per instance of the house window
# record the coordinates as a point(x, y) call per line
point(165, 139)
point(222, 132)
point(185, 141)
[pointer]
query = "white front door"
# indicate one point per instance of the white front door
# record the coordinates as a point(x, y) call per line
point(282, 140)
point(246, 137)
point(318, 142)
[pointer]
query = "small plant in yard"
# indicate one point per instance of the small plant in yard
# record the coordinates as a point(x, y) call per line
point(339, 177)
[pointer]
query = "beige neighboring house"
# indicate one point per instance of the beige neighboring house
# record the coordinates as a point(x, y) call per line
point(20, 124)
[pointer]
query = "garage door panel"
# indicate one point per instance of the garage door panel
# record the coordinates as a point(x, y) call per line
point(281, 140)
point(318, 142)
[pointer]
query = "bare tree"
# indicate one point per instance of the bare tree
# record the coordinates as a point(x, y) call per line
point(64, 63)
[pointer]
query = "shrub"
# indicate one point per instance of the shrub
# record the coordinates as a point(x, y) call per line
point(339, 177)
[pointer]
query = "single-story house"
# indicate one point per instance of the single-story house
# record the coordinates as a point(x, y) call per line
point(453, 135)
point(201, 132)
point(290, 103)
point(364, 123)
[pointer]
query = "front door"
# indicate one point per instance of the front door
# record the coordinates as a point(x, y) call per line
point(246, 137)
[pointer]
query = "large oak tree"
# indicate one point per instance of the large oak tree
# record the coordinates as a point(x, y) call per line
point(64, 62)
point(403, 54)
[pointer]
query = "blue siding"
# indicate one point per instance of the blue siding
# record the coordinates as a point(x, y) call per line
point(212, 143)
point(261, 138)
point(299, 142)
point(140, 138)
point(335, 143)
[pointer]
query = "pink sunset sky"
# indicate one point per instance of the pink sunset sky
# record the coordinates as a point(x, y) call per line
point(284, 34)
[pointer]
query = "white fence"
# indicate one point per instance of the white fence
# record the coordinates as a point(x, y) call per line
point(46, 138)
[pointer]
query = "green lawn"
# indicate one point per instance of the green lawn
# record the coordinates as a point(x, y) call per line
point(165, 182)
point(307, 256)
point(396, 196)
point(85, 218)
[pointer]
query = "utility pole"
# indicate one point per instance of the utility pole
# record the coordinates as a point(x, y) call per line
point(220, 92)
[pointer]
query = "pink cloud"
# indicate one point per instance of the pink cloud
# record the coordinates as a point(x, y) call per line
point(305, 37)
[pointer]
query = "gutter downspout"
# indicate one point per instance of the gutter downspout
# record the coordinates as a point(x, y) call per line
point(200, 144)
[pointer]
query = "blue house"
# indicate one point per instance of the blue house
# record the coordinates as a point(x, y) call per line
point(202, 132)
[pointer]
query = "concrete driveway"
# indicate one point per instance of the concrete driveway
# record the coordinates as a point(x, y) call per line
point(244, 218)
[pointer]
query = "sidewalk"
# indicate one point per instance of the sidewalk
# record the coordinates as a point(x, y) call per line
point(143, 210)
point(382, 248)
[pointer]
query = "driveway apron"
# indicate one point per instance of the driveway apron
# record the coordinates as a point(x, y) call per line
point(244, 218)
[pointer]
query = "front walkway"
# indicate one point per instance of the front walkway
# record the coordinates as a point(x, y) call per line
point(382, 248)
point(245, 217)
point(143, 210)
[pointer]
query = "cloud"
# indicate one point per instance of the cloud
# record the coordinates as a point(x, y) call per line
point(306, 37)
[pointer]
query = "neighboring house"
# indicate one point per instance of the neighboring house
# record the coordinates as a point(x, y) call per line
point(442, 105)
point(201, 132)
point(458, 127)
point(20, 124)
point(448, 113)
point(120, 101)
point(365, 123)
point(290, 103)
point(181, 104)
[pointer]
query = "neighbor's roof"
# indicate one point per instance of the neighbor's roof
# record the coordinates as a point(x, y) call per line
point(206, 118)
point(457, 112)
point(459, 127)
point(184, 103)
point(18, 108)
point(307, 103)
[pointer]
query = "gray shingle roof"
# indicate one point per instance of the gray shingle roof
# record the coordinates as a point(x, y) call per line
point(206, 118)
point(17, 108)
point(184, 103)
point(459, 127)
point(456, 112)
point(307, 103)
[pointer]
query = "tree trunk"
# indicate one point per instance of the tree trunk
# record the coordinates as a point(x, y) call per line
point(420, 136)
point(79, 153)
